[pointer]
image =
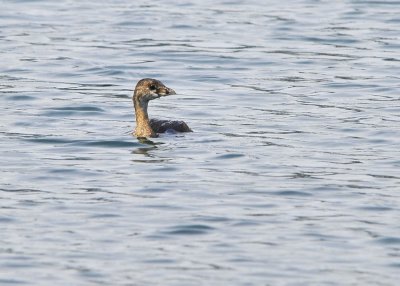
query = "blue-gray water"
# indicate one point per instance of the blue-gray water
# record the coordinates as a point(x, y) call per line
point(290, 178)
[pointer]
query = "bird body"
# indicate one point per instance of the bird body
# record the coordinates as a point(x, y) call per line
point(162, 126)
point(148, 89)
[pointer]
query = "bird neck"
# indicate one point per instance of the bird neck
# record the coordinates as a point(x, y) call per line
point(143, 128)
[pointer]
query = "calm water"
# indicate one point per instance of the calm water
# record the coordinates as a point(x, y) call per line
point(290, 178)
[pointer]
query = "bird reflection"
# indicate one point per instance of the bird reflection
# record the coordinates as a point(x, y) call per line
point(146, 151)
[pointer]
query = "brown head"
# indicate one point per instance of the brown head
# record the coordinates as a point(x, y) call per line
point(148, 89)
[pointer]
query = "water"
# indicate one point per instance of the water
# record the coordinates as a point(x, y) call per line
point(290, 178)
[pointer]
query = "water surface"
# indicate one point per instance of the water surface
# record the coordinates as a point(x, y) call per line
point(290, 178)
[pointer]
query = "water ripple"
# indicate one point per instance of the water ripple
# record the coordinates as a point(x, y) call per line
point(290, 177)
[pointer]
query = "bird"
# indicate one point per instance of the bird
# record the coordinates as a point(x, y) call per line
point(148, 89)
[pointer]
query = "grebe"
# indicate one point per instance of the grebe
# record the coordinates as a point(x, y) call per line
point(148, 89)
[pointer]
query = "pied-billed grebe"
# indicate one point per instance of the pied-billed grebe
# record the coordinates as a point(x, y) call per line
point(148, 89)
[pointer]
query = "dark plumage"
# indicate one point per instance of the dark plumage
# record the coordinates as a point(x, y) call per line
point(148, 89)
point(162, 126)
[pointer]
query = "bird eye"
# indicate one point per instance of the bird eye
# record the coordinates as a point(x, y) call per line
point(152, 87)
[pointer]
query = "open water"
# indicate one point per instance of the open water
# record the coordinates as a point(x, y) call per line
point(292, 173)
